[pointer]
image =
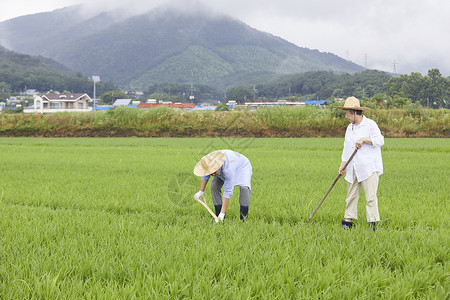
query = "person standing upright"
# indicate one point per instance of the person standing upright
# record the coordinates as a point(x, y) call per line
point(366, 167)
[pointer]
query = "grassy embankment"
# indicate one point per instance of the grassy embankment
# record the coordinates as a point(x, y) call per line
point(274, 122)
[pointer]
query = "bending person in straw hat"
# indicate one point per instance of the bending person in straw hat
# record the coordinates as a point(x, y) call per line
point(365, 168)
point(229, 169)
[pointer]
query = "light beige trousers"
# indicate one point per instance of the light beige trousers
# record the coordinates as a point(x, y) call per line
point(370, 186)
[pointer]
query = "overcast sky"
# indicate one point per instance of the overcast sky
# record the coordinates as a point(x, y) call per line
point(413, 34)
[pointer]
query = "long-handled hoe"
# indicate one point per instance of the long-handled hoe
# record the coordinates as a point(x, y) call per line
point(207, 207)
point(332, 185)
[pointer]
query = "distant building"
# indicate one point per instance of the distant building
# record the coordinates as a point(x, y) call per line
point(30, 92)
point(186, 106)
point(50, 103)
point(315, 102)
point(231, 104)
point(205, 107)
point(275, 103)
point(122, 102)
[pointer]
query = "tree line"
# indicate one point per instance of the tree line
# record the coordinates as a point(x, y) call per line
point(15, 83)
point(20, 72)
point(431, 90)
point(372, 86)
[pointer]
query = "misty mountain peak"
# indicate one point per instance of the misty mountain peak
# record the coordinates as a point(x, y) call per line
point(180, 42)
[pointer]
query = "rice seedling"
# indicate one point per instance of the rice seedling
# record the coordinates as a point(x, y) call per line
point(115, 218)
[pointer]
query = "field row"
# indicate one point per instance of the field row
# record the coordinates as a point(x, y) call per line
point(114, 218)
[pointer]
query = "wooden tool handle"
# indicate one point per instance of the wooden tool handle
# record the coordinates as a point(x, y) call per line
point(332, 185)
point(207, 207)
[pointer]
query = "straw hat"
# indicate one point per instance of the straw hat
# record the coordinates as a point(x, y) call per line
point(209, 163)
point(353, 104)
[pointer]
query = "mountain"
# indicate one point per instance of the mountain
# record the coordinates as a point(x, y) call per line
point(21, 71)
point(17, 62)
point(163, 45)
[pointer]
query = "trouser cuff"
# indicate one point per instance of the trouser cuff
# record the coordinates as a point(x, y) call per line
point(346, 225)
point(244, 213)
point(218, 208)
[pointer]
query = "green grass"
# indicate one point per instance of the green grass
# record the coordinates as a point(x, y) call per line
point(114, 218)
point(307, 121)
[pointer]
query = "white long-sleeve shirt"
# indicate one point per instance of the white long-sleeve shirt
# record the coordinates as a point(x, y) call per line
point(368, 158)
point(235, 171)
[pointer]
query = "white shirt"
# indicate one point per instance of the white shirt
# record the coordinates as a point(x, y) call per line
point(235, 171)
point(368, 158)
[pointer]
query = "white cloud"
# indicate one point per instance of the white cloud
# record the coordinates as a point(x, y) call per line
point(411, 32)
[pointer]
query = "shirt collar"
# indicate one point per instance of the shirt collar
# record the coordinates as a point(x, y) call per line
point(363, 122)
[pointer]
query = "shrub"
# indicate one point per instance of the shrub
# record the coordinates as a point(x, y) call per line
point(307, 121)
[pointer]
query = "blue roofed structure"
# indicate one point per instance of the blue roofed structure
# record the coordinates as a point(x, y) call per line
point(122, 102)
point(314, 102)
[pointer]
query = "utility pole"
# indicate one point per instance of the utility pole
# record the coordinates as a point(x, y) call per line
point(95, 79)
point(192, 90)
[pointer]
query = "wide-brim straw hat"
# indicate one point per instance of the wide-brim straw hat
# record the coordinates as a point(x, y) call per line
point(209, 163)
point(353, 104)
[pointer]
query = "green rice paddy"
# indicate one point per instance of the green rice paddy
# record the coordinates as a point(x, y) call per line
point(114, 218)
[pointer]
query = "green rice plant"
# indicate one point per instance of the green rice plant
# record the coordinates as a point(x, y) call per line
point(114, 218)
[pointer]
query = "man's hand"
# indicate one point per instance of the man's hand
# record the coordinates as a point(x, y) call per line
point(199, 194)
point(221, 216)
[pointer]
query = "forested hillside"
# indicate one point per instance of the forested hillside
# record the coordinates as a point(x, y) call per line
point(323, 85)
point(164, 45)
point(21, 71)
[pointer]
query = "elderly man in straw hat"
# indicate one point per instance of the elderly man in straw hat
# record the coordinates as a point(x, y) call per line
point(365, 168)
point(229, 169)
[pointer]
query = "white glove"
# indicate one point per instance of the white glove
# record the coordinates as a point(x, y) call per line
point(221, 216)
point(199, 194)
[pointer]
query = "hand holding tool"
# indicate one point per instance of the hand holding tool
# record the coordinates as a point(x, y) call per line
point(206, 206)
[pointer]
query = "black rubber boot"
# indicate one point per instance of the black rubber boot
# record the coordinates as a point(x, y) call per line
point(372, 225)
point(218, 209)
point(346, 225)
point(244, 213)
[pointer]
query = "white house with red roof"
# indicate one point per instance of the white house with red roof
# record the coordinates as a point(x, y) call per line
point(50, 103)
